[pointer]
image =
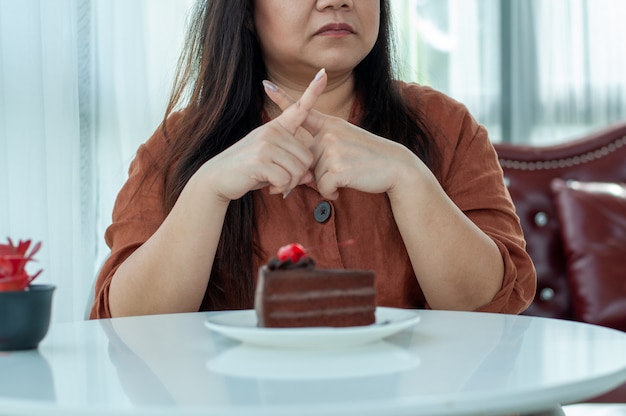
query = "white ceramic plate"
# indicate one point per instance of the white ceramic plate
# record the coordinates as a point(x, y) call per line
point(242, 326)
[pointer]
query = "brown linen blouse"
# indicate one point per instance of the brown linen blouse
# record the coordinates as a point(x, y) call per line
point(470, 174)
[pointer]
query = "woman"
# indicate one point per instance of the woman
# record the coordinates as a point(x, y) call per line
point(269, 149)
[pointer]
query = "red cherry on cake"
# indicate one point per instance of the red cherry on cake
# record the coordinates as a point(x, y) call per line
point(293, 252)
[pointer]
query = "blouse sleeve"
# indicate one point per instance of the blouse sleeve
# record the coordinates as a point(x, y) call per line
point(471, 176)
point(478, 189)
point(137, 214)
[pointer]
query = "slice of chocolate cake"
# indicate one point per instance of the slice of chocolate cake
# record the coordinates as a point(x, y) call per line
point(291, 292)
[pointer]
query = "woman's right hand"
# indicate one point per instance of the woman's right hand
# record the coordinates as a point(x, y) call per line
point(276, 154)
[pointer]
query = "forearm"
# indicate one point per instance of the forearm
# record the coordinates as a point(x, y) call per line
point(170, 271)
point(457, 265)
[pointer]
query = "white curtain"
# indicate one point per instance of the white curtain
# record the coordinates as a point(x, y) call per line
point(40, 149)
point(82, 84)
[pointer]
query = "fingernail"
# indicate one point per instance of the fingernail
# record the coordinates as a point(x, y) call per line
point(286, 194)
point(270, 85)
point(320, 74)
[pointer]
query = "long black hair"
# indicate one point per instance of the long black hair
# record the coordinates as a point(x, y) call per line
point(219, 93)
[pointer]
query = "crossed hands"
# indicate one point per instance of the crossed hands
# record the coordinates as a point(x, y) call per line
point(303, 145)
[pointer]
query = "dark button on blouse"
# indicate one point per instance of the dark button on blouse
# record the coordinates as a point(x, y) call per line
point(323, 211)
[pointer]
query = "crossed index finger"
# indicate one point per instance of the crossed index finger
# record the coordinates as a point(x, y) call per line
point(296, 113)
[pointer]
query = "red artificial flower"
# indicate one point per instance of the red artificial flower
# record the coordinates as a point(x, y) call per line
point(13, 260)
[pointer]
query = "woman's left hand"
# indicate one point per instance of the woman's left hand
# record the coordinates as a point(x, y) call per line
point(347, 156)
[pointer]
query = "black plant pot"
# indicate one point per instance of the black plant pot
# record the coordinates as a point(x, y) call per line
point(25, 317)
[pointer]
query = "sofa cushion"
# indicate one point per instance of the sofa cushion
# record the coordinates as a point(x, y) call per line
point(593, 229)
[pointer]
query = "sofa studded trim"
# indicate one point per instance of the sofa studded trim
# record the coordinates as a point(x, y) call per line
point(566, 162)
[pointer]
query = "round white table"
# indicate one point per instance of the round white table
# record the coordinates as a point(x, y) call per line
point(449, 363)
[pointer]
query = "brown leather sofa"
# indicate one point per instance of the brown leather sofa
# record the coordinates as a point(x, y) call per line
point(573, 234)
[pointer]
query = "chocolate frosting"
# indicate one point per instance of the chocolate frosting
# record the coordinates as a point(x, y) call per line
point(304, 263)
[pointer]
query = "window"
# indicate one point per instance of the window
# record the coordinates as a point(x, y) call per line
point(531, 71)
